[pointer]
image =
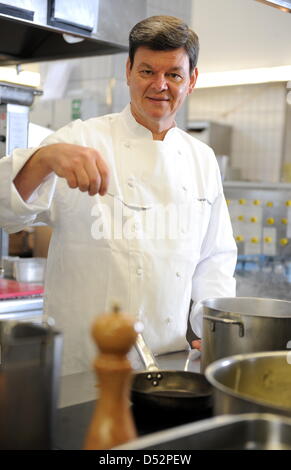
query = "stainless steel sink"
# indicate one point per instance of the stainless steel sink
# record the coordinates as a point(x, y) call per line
point(252, 431)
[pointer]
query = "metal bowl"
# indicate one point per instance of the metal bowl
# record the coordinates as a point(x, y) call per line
point(254, 431)
point(257, 382)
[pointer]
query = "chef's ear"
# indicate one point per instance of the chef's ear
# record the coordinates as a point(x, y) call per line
point(193, 79)
point(128, 70)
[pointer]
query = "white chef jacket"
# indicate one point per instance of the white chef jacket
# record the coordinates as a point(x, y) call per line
point(153, 278)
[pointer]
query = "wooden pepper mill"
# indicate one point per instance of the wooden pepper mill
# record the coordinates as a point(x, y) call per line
point(112, 423)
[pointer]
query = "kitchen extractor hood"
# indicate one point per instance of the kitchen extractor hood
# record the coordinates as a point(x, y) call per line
point(284, 5)
point(38, 30)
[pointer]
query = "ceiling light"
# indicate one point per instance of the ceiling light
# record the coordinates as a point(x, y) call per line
point(244, 77)
point(283, 5)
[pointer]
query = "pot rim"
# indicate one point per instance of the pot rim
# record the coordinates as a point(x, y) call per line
point(232, 311)
point(224, 362)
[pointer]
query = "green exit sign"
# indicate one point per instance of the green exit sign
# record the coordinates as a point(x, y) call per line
point(76, 110)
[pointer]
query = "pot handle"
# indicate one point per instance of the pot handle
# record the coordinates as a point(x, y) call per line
point(145, 353)
point(227, 321)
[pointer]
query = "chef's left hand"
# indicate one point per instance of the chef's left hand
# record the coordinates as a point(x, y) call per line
point(197, 344)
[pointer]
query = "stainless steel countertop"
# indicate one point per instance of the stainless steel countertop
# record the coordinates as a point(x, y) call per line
point(80, 388)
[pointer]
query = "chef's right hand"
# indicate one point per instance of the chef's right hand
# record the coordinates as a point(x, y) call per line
point(82, 167)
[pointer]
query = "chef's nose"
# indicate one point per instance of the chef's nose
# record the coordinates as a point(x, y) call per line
point(160, 82)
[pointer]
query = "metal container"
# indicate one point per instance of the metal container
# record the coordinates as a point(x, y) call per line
point(214, 134)
point(238, 325)
point(243, 432)
point(29, 379)
point(246, 383)
point(8, 265)
point(30, 269)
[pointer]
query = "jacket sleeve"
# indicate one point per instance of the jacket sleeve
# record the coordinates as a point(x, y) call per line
point(214, 274)
point(15, 213)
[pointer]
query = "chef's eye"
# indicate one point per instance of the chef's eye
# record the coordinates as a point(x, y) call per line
point(146, 72)
point(175, 76)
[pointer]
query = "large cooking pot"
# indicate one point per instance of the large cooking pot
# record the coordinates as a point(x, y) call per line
point(236, 325)
point(256, 382)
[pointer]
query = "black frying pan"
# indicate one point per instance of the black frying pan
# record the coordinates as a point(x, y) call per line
point(169, 394)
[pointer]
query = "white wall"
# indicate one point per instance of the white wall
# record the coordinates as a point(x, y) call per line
point(237, 34)
point(256, 114)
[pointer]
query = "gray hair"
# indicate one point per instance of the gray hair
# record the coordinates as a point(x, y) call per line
point(163, 33)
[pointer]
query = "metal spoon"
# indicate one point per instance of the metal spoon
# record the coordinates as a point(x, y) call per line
point(130, 206)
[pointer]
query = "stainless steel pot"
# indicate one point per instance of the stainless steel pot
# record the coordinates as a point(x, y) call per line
point(258, 382)
point(29, 382)
point(238, 325)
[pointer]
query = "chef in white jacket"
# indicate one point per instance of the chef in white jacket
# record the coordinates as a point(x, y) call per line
point(172, 244)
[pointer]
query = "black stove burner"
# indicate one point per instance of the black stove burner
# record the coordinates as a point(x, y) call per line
point(73, 422)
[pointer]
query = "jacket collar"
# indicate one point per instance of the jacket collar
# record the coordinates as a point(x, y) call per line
point(136, 129)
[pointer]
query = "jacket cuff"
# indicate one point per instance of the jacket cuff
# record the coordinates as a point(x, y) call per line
point(196, 318)
point(41, 198)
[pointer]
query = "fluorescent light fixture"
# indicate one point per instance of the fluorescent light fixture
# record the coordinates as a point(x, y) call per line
point(283, 5)
point(244, 77)
point(24, 77)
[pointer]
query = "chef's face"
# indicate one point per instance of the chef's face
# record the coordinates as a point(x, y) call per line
point(158, 82)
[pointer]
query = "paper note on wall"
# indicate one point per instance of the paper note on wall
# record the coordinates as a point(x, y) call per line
point(288, 231)
point(253, 238)
point(269, 241)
